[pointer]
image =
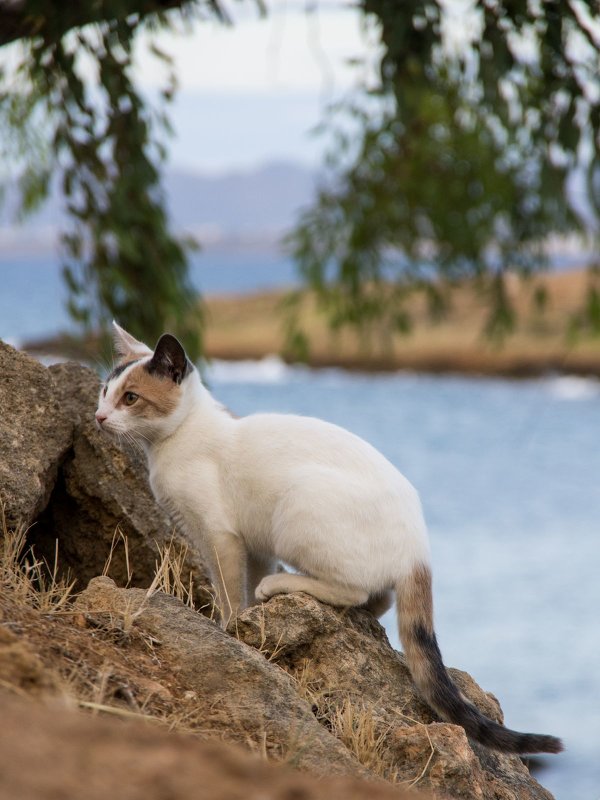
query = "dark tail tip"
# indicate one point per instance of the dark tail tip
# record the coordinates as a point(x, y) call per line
point(537, 743)
point(491, 734)
point(441, 693)
point(436, 685)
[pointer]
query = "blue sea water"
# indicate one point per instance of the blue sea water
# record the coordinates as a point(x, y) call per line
point(33, 296)
point(508, 474)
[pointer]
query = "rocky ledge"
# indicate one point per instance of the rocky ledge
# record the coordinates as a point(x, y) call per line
point(124, 687)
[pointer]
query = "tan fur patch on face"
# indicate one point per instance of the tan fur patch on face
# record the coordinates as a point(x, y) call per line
point(157, 397)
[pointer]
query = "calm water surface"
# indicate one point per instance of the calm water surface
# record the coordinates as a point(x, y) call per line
point(508, 474)
point(33, 297)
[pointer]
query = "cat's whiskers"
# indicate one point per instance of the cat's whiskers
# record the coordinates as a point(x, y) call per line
point(133, 441)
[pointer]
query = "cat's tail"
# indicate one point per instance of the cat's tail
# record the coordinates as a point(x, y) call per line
point(415, 619)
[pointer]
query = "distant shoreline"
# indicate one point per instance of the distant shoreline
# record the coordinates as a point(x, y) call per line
point(251, 327)
point(434, 364)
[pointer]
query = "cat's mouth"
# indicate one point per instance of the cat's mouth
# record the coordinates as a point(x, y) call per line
point(103, 424)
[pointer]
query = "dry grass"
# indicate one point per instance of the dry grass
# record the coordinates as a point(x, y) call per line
point(170, 571)
point(358, 727)
point(270, 652)
point(350, 720)
point(169, 578)
point(354, 724)
point(31, 580)
point(118, 538)
point(32, 588)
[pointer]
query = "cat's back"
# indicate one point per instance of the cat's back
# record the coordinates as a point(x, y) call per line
point(304, 479)
point(285, 441)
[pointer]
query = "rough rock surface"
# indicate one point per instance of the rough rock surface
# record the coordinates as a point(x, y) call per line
point(104, 487)
point(345, 660)
point(78, 485)
point(35, 434)
point(100, 758)
point(234, 685)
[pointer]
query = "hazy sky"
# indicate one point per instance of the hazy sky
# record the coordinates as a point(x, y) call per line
point(252, 92)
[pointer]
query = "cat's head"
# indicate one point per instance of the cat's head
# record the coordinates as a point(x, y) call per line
point(143, 397)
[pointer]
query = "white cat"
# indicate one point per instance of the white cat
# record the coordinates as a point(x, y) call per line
point(270, 487)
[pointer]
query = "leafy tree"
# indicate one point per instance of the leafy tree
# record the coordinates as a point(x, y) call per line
point(456, 165)
point(107, 143)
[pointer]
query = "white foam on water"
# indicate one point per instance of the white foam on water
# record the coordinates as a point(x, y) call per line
point(574, 387)
point(270, 369)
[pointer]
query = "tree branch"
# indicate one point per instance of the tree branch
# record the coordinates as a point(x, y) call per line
point(21, 19)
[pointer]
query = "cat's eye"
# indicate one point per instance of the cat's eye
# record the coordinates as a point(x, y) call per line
point(129, 398)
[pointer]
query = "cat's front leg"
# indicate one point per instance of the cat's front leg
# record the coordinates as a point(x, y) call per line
point(227, 559)
point(258, 568)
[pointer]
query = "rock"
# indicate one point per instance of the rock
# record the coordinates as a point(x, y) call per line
point(345, 663)
point(78, 485)
point(23, 670)
point(104, 489)
point(69, 755)
point(35, 434)
point(235, 687)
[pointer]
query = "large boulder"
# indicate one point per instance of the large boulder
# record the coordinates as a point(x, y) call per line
point(74, 485)
point(35, 435)
point(234, 687)
point(344, 662)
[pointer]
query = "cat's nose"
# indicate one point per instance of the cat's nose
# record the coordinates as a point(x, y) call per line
point(100, 417)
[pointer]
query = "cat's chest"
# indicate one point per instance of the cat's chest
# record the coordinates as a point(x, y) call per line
point(186, 488)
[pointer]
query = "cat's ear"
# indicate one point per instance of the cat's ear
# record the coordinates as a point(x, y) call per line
point(126, 346)
point(169, 359)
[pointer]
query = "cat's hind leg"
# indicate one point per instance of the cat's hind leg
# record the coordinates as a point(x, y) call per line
point(326, 591)
point(379, 603)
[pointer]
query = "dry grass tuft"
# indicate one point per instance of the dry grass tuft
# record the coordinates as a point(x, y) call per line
point(269, 651)
point(350, 720)
point(118, 538)
point(170, 572)
point(355, 725)
point(30, 579)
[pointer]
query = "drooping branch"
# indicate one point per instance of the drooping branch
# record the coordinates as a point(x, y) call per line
point(21, 19)
point(120, 257)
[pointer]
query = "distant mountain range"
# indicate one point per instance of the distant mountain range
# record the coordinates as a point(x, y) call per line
point(250, 208)
point(244, 207)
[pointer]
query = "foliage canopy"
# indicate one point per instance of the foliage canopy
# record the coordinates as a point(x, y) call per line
point(106, 142)
point(454, 165)
point(459, 157)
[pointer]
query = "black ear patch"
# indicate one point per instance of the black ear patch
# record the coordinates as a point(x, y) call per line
point(169, 359)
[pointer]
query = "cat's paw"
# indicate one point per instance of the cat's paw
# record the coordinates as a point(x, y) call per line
point(268, 587)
